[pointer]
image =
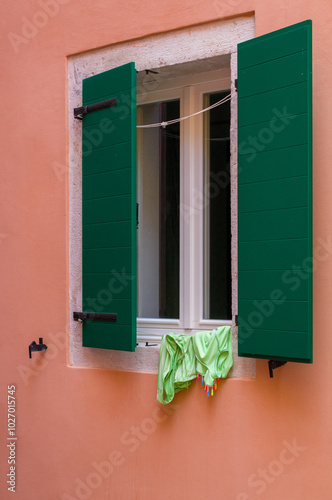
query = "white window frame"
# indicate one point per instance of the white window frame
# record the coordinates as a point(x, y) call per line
point(195, 43)
point(191, 195)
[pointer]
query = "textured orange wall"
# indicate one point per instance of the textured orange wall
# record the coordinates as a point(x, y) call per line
point(261, 438)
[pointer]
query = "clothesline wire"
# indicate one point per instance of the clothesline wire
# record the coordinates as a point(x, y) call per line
point(177, 120)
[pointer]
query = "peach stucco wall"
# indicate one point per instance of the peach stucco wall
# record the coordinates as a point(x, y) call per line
point(258, 438)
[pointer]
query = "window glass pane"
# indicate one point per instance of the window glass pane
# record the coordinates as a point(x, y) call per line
point(217, 234)
point(158, 198)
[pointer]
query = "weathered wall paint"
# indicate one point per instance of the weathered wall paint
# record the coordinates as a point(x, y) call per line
point(99, 434)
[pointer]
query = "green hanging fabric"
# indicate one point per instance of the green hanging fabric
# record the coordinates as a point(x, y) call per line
point(177, 365)
point(183, 358)
point(213, 351)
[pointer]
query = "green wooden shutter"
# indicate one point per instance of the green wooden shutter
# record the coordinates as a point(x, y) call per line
point(275, 195)
point(109, 209)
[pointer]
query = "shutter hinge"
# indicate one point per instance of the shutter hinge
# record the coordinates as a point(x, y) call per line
point(84, 110)
point(235, 84)
point(137, 207)
point(91, 316)
point(273, 364)
point(236, 320)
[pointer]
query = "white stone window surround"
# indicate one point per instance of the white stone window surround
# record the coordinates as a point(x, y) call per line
point(206, 41)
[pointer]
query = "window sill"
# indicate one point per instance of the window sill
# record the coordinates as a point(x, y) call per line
point(145, 359)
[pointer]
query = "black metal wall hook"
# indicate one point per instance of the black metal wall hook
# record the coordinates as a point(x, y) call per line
point(273, 364)
point(37, 347)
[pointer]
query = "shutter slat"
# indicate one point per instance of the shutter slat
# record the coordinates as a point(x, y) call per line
point(105, 133)
point(298, 345)
point(264, 284)
point(273, 225)
point(274, 195)
point(280, 162)
point(109, 209)
point(109, 83)
point(117, 282)
point(94, 162)
point(291, 315)
point(116, 334)
point(270, 46)
point(112, 183)
point(268, 106)
point(275, 254)
point(104, 260)
point(294, 133)
point(109, 234)
point(273, 75)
